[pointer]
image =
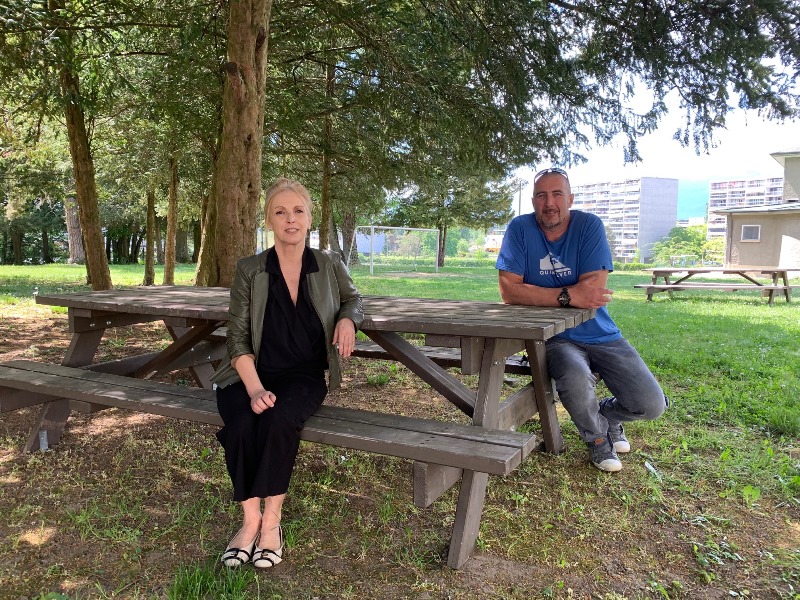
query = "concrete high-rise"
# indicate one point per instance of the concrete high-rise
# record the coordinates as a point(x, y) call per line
point(639, 212)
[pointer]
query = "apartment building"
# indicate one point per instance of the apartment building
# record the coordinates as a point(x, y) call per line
point(639, 211)
point(740, 193)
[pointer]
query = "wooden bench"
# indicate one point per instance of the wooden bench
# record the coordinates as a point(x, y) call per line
point(766, 290)
point(473, 449)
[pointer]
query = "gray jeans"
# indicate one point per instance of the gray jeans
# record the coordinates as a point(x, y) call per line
point(636, 393)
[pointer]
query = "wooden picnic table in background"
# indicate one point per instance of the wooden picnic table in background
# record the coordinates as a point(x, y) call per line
point(778, 276)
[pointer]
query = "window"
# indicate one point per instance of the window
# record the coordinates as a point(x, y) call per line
point(751, 233)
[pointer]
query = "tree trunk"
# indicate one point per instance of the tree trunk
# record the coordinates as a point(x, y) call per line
point(150, 242)
point(237, 173)
point(74, 238)
point(197, 239)
point(442, 241)
point(327, 141)
point(47, 256)
point(349, 237)
point(82, 163)
point(172, 223)
point(159, 244)
point(333, 238)
point(136, 245)
point(17, 237)
point(181, 245)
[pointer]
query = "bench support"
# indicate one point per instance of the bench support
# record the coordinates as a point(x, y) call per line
point(52, 419)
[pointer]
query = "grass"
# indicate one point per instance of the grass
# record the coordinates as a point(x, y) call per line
point(722, 464)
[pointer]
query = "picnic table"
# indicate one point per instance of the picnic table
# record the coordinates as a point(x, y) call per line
point(778, 280)
point(444, 453)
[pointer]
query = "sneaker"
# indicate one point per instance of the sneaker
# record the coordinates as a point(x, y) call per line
point(603, 456)
point(616, 434)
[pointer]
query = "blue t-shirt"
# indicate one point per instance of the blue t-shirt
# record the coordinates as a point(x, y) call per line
point(582, 249)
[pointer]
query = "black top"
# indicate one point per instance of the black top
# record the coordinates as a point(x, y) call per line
point(293, 338)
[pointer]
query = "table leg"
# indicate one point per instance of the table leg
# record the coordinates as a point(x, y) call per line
point(473, 484)
point(545, 397)
point(785, 278)
point(53, 415)
point(468, 518)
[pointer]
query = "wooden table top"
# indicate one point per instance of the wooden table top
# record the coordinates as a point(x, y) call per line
point(381, 313)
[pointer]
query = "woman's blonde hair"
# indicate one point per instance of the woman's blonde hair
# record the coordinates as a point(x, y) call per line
point(286, 184)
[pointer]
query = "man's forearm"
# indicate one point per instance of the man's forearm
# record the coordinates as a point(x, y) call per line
point(528, 294)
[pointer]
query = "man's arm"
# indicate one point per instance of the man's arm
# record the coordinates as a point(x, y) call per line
point(589, 292)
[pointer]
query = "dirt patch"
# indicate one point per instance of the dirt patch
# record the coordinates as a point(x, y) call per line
point(126, 502)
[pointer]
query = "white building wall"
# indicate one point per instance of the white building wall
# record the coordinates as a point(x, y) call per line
point(791, 185)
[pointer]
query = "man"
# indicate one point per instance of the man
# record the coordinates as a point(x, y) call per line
point(558, 257)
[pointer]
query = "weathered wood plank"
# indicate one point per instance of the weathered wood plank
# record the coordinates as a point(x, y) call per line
point(420, 315)
point(413, 445)
point(518, 408)
point(431, 481)
point(512, 439)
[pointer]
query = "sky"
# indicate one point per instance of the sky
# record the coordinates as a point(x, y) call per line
point(742, 152)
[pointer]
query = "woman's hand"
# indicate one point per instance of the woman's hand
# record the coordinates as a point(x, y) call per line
point(261, 401)
point(344, 336)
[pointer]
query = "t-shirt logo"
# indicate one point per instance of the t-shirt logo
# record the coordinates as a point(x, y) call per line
point(550, 264)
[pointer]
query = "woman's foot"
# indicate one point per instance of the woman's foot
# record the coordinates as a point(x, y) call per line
point(238, 552)
point(272, 551)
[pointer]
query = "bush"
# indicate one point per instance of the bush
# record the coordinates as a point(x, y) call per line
point(632, 266)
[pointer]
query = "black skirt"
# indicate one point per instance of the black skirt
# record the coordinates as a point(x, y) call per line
point(260, 450)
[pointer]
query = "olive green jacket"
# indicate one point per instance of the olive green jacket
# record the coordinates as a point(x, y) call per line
point(333, 296)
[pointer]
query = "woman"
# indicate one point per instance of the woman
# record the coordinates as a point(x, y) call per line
point(291, 309)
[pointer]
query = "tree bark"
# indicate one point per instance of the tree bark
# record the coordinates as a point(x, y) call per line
point(17, 237)
point(333, 238)
point(97, 271)
point(136, 245)
point(74, 237)
point(237, 173)
point(172, 223)
point(349, 237)
point(327, 141)
point(181, 245)
point(197, 239)
point(47, 256)
point(159, 244)
point(442, 242)
point(149, 253)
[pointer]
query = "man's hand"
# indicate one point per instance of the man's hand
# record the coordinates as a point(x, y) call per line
point(587, 294)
